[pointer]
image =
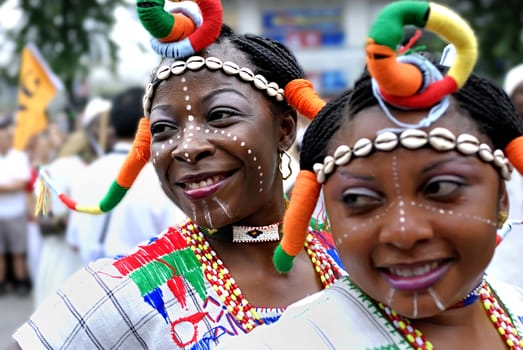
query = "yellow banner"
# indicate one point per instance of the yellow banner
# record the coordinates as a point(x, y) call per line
point(37, 87)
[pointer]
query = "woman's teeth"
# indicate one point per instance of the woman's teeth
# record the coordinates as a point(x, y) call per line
point(204, 183)
point(413, 272)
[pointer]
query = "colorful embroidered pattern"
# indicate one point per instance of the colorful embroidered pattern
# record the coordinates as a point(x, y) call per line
point(165, 261)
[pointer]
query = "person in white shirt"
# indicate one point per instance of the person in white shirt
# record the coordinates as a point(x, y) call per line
point(14, 177)
point(144, 211)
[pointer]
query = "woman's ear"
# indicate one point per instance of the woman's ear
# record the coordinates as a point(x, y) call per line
point(288, 127)
point(503, 201)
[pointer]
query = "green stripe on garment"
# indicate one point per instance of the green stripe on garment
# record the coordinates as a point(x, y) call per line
point(179, 263)
point(388, 28)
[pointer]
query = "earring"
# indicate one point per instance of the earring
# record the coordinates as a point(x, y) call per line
point(502, 217)
point(283, 153)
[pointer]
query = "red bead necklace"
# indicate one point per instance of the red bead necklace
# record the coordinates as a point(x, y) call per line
point(224, 284)
point(495, 313)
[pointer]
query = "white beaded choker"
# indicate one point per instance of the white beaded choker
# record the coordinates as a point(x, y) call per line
point(195, 63)
point(257, 234)
point(441, 139)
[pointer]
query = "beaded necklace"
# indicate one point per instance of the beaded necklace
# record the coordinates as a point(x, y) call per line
point(495, 313)
point(225, 285)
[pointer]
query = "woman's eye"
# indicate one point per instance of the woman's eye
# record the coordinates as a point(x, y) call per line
point(361, 198)
point(443, 188)
point(221, 115)
point(161, 127)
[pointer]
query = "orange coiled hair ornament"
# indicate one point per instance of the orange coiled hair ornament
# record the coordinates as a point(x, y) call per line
point(179, 30)
point(407, 82)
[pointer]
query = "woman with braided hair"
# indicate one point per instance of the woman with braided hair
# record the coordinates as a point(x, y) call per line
point(414, 188)
point(220, 111)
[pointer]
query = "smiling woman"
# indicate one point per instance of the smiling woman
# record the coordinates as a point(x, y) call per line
point(414, 190)
point(220, 112)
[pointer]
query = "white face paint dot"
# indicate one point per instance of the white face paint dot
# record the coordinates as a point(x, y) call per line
point(188, 107)
point(191, 127)
point(191, 134)
point(171, 141)
point(185, 147)
point(441, 211)
point(198, 128)
point(249, 151)
point(242, 144)
point(163, 146)
point(206, 131)
point(401, 203)
point(157, 154)
point(185, 88)
point(254, 158)
point(184, 80)
point(178, 137)
point(187, 155)
point(402, 220)
point(190, 117)
point(223, 132)
point(187, 98)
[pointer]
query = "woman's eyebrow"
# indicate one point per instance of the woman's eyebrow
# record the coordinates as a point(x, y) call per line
point(445, 161)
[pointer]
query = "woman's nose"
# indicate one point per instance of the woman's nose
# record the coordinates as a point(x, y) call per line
point(405, 225)
point(192, 146)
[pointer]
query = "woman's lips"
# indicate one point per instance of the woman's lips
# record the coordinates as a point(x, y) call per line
point(415, 276)
point(203, 187)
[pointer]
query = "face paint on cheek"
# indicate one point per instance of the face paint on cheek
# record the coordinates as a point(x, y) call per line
point(390, 296)
point(364, 225)
point(436, 299)
point(224, 207)
point(451, 213)
point(415, 305)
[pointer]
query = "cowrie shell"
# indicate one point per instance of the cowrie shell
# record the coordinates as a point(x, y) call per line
point(260, 82)
point(413, 138)
point(195, 62)
point(230, 68)
point(328, 165)
point(178, 67)
point(499, 158)
point(467, 144)
point(317, 167)
point(485, 153)
point(386, 141)
point(342, 155)
point(442, 139)
point(163, 72)
point(213, 63)
point(362, 147)
point(272, 89)
point(246, 74)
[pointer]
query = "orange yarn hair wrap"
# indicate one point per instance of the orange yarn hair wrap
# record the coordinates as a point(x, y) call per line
point(138, 156)
point(514, 153)
point(300, 94)
point(296, 220)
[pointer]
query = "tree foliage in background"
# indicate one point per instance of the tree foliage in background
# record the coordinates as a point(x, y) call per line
point(498, 25)
point(72, 36)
